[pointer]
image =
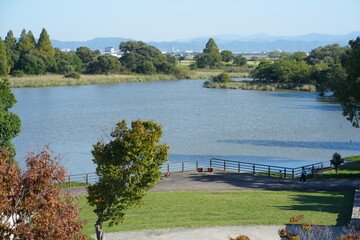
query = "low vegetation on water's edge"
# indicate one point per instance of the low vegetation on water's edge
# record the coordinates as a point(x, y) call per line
point(258, 85)
point(56, 80)
point(223, 208)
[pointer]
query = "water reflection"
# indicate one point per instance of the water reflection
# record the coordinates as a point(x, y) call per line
point(351, 146)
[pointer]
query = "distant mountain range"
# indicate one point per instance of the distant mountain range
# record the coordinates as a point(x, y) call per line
point(235, 43)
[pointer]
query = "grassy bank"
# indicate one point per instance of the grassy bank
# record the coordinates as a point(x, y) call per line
point(59, 80)
point(52, 80)
point(349, 170)
point(256, 85)
point(221, 208)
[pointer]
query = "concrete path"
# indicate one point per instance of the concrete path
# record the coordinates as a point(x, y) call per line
point(220, 180)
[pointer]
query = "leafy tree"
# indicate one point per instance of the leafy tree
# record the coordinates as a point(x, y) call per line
point(298, 56)
point(4, 68)
point(226, 56)
point(348, 90)
point(137, 56)
point(127, 167)
point(264, 72)
point(32, 63)
point(44, 44)
point(104, 64)
point(326, 54)
point(9, 122)
point(221, 78)
point(30, 203)
point(239, 60)
point(85, 54)
point(67, 62)
point(337, 161)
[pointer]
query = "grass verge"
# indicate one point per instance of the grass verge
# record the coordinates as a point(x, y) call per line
point(54, 80)
point(349, 170)
point(257, 85)
point(222, 208)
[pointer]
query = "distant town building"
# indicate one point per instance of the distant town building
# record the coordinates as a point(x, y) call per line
point(109, 50)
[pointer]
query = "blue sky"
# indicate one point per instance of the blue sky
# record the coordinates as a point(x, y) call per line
point(164, 20)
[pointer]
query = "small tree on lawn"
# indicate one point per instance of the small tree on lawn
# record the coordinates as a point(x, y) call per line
point(30, 203)
point(127, 167)
point(337, 161)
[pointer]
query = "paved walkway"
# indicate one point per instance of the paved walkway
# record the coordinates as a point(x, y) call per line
point(217, 181)
point(220, 180)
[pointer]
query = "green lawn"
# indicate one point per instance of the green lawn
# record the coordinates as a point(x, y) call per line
point(220, 208)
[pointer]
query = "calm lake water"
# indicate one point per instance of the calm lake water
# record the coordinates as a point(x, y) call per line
point(279, 128)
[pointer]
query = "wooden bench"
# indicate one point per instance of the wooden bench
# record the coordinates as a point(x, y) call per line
point(200, 170)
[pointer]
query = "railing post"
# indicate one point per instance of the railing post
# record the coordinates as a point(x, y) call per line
point(238, 167)
point(224, 165)
point(69, 181)
point(321, 167)
point(253, 168)
point(182, 166)
point(211, 162)
point(293, 174)
point(197, 165)
point(87, 179)
point(284, 173)
point(168, 168)
point(269, 171)
point(312, 169)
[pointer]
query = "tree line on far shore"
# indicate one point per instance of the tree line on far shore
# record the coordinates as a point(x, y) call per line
point(26, 56)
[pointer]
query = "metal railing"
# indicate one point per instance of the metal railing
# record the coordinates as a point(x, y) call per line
point(220, 164)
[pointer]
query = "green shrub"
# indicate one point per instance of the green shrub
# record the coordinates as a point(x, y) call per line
point(74, 75)
point(18, 73)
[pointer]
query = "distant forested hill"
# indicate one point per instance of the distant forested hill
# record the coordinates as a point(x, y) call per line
point(234, 43)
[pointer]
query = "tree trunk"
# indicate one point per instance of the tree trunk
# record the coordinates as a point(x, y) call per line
point(99, 230)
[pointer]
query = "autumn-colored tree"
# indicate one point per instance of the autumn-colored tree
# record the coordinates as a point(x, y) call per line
point(127, 167)
point(30, 203)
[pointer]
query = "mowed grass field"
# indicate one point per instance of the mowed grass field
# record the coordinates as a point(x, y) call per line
point(222, 208)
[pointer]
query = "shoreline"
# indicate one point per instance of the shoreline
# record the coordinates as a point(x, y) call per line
point(57, 80)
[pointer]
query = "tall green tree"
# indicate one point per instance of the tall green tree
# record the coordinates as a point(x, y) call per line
point(127, 167)
point(11, 51)
point(32, 38)
point(10, 123)
point(348, 91)
point(210, 57)
point(44, 44)
point(4, 68)
point(25, 43)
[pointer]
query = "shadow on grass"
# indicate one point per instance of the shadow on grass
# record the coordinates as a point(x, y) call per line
point(339, 203)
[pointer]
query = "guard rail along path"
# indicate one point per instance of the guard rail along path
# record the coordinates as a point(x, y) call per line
point(220, 164)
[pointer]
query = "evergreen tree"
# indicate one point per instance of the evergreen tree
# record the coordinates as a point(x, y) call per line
point(44, 44)
point(32, 39)
point(210, 57)
point(4, 69)
point(11, 51)
point(24, 44)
